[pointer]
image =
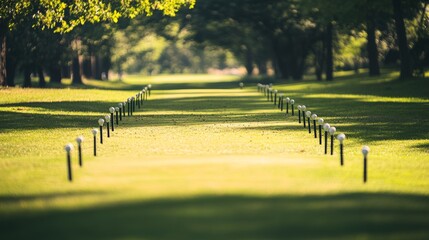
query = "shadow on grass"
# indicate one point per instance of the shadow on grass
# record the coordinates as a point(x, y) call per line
point(46, 197)
point(337, 216)
point(368, 121)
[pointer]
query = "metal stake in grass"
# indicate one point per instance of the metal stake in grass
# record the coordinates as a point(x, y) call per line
point(326, 127)
point(275, 97)
point(112, 111)
point(138, 100)
point(117, 115)
point(79, 141)
point(292, 102)
point(281, 100)
point(303, 113)
point(69, 148)
point(141, 98)
point(120, 111)
point(101, 123)
point(287, 105)
point(320, 121)
point(128, 106)
point(149, 87)
point(146, 89)
point(269, 94)
point(314, 117)
point(107, 118)
point(123, 107)
point(299, 113)
point(365, 151)
point(241, 85)
point(94, 133)
point(341, 137)
point(308, 115)
point(133, 99)
point(332, 131)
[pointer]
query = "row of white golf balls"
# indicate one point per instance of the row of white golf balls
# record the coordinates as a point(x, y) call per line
point(326, 126)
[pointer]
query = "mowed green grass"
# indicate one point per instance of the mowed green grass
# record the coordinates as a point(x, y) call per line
point(206, 160)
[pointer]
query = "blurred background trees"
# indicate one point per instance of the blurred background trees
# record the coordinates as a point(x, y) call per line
point(287, 39)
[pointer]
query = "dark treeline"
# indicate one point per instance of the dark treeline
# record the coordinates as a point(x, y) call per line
point(295, 35)
point(290, 37)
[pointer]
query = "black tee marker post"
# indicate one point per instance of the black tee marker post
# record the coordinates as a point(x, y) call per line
point(299, 113)
point(69, 148)
point(79, 141)
point(287, 105)
point(138, 99)
point(107, 118)
point(303, 107)
point(365, 151)
point(314, 117)
point(292, 102)
point(275, 97)
point(326, 127)
point(241, 85)
point(308, 115)
point(133, 99)
point(101, 123)
point(281, 96)
point(117, 115)
point(141, 98)
point(341, 137)
point(332, 131)
point(112, 111)
point(320, 122)
point(128, 106)
point(94, 133)
point(268, 93)
point(146, 89)
point(149, 88)
point(124, 104)
point(271, 94)
point(120, 111)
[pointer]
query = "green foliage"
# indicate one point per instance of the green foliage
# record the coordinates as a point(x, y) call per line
point(63, 16)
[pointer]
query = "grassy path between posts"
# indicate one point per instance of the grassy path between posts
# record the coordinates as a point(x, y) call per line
point(206, 160)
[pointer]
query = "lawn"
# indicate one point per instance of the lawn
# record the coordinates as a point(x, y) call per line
point(204, 159)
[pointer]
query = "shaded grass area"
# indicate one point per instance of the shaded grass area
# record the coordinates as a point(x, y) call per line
point(337, 216)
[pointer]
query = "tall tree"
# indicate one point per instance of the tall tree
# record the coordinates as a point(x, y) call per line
point(63, 16)
point(401, 35)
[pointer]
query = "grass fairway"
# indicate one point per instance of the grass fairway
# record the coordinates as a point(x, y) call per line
point(206, 160)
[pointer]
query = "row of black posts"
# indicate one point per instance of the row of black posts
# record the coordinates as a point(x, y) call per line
point(279, 100)
point(117, 114)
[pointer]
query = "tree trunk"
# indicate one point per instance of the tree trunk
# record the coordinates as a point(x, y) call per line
point(87, 68)
point(401, 35)
point(76, 77)
point(3, 49)
point(11, 64)
point(249, 61)
point(329, 52)
point(42, 82)
point(55, 73)
point(318, 68)
point(374, 67)
point(262, 67)
point(27, 76)
point(96, 64)
point(65, 71)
